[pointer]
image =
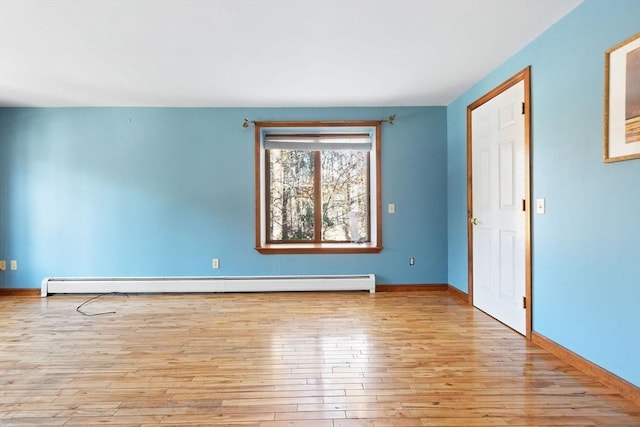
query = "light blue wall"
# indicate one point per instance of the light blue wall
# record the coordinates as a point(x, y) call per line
point(586, 258)
point(162, 191)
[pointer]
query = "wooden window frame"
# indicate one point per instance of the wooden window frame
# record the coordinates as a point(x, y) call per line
point(374, 216)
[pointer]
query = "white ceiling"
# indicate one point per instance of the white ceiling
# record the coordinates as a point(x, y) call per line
point(258, 53)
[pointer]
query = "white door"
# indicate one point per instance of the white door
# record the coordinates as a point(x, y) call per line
point(498, 216)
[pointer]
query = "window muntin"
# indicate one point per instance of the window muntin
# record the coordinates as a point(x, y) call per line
point(317, 187)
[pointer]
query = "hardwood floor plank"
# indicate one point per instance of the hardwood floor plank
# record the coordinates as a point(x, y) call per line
point(383, 422)
point(468, 422)
point(285, 359)
point(37, 421)
point(297, 423)
point(309, 415)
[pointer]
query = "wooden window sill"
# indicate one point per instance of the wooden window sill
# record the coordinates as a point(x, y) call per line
point(319, 248)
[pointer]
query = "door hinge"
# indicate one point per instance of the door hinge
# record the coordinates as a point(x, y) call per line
point(524, 205)
point(523, 108)
point(524, 302)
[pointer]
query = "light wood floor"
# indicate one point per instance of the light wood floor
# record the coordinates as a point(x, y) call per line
point(286, 359)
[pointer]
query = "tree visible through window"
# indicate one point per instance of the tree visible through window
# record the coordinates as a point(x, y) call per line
point(343, 208)
point(317, 185)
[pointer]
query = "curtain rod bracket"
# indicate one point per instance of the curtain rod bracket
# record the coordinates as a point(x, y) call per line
point(390, 120)
point(246, 123)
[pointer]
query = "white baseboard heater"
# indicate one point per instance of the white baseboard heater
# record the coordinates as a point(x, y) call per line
point(100, 285)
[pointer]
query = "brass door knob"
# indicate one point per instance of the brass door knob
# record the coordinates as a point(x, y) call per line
point(475, 221)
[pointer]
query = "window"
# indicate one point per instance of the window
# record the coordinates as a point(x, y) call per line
point(318, 187)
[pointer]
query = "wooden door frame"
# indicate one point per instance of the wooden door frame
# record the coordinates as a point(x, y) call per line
point(524, 75)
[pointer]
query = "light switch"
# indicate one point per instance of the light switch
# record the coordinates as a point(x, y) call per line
point(540, 206)
point(392, 208)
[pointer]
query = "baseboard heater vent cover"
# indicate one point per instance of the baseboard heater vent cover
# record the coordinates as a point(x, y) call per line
point(99, 285)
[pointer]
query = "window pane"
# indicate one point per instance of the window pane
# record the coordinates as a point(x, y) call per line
point(345, 195)
point(291, 208)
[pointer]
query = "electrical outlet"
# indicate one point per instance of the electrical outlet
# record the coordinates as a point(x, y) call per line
point(14, 264)
point(215, 263)
point(3, 265)
point(412, 261)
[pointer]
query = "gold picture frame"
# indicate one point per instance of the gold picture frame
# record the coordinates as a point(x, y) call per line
point(622, 101)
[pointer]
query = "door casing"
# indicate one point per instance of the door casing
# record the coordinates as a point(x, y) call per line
point(524, 75)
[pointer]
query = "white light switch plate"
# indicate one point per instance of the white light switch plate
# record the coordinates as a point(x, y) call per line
point(392, 208)
point(540, 206)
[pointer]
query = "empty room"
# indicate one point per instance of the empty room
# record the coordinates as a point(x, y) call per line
point(356, 213)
